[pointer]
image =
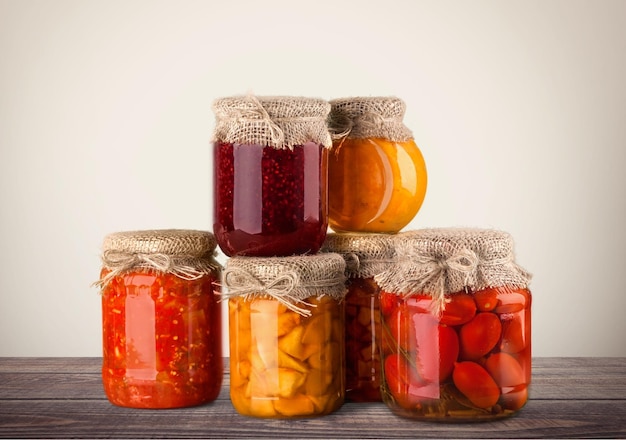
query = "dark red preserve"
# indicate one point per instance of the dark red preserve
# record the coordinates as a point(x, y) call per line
point(270, 176)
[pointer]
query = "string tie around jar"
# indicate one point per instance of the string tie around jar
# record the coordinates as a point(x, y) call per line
point(341, 126)
point(239, 282)
point(435, 271)
point(353, 262)
point(258, 113)
point(182, 266)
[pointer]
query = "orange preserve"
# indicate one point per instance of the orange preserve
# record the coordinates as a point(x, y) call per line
point(376, 172)
point(366, 255)
point(161, 319)
point(286, 327)
point(456, 327)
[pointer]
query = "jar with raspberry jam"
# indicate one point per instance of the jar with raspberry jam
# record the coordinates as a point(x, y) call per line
point(377, 174)
point(270, 175)
point(161, 319)
point(286, 326)
point(456, 324)
point(366, 255)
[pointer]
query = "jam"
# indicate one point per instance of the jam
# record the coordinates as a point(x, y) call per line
point(269, 201)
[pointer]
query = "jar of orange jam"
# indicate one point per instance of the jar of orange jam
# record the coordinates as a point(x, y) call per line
point(270, 175)
point(366, 255)
point(286, 326)
point(376, 172)
point(161, 320)
point(456, 317)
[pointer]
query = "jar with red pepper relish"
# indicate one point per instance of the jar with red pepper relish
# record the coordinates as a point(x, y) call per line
point(161, 319)
point(366, 255)
point(270, 175)
point(286, 326)
point(456, 323)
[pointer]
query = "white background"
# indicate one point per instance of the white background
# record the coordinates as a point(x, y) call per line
point(519, 108)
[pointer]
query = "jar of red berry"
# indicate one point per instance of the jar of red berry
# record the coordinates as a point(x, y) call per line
point(366, 255)
point(161, 320)
point(270, 175)
point(456, 323)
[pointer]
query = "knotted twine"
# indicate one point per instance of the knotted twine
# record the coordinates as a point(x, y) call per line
point(187, 254)
point(276, 121)
point(368, 117)
point(366, 255)
point(442, 261)
point(288, 280)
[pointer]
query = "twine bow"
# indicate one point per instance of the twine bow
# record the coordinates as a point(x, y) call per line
point(437, 270)
point(242, 283)
point(353, 262)
point(341, 125)
point(258, 112)
point(120, 262)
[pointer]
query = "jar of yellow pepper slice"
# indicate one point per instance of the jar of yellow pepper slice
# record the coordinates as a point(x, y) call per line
point(286, 326)
point(376, 172)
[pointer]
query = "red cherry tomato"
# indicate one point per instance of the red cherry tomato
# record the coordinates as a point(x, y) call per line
point(437, 349)
point(514, 337)
point(476, 384)
point(486, 299)
point(514, 398)
point(479, 336)
point(388, 302)
point(512, 300)
point(420, 303)
point(404, 384)
point(459, 310)
point(505, 370)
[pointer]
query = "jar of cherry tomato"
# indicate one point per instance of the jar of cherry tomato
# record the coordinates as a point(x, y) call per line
point(456, 318)
point(270, 175)
point(377, 175)
point(286, 325)
point(366, 255)
point(161, 320)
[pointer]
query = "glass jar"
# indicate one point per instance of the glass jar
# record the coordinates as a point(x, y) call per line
point(454, 348)
point(286, 326)
point(160, 319)
point(377, 174)
point(366, 255)
point(270, 175)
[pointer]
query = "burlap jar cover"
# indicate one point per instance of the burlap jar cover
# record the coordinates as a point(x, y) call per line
point(366, 255)
point(187, 254)
point(369, 117)
point(277, 121)
point(442, 261)
point(289, 280)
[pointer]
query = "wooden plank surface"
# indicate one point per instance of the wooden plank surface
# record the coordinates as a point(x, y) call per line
point(62, 398)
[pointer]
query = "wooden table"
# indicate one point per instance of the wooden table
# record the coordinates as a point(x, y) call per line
point(63, 397)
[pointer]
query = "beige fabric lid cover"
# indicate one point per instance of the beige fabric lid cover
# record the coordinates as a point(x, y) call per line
point(369, 117)
point(289, 280)
point(366, 255)
point(187, 254)
point(449, 260)
point(277, 121)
